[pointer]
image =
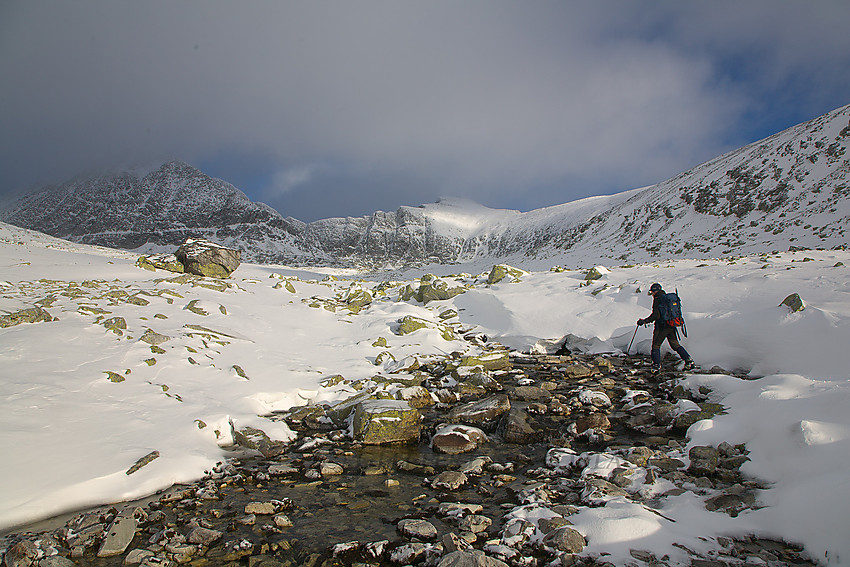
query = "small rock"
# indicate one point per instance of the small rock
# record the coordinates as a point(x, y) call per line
point(22, 554)
point(328, 468)
point(564, 539)
point(203, 536)
point(469, 559)
point(457, 439)
point(260, 508)
point(703, 460)
point(419, 529)
point(592, 421)
point(516, 429)
point(481, 411)
point(531, 394)
point(451, 542)
point(474, 523)
point(449, 480)
point(56, 561)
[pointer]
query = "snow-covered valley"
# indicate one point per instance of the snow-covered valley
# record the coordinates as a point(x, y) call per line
point(137, 362)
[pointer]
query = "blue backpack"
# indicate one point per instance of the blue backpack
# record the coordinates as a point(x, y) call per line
point(670, 310)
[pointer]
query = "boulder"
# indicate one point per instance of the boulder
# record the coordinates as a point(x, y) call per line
point(29, 315)
point(431, 288)
point(205, 258)
point(457, 439)
point(410, 324)
point(704, 460)
point(491, 361)
point(516, 429)
point(501, 271)
point(469, 559)
point(419, 529)
point(167, 262)
point(595, 273)
point(481, 411)
point(794, 303)
point(120, 533)
point(564, 539)
point(449, 480)
point(203, 536)
point(378, 422)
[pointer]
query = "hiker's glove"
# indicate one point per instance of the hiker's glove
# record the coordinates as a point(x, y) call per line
point(640, 322)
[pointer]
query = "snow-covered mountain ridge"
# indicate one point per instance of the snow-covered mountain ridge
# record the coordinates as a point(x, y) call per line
point(788, 190)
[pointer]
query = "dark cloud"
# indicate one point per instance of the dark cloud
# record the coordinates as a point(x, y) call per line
point(348, 107)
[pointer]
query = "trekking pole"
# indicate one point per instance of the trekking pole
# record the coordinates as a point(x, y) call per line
point(633, 340)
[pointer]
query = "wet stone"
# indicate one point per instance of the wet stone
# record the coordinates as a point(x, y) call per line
point(419, 529)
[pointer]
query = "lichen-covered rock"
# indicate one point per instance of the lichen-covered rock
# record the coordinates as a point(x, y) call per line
point(357, 298)
point(410, 324)
point(595, 273)
point(167, 262)
point(205, 258)
point(794, 303)
point(500, 271)
point(431, 288)
point(147, 459)
point(490, 361)
point(153, 338)
point(29, 315)
point(378, 422)
point(115, 324)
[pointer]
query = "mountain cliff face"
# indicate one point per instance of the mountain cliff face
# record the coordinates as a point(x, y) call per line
point(162, 207)
point(788, 190)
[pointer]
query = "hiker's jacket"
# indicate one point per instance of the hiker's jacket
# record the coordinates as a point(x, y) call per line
point(656, 311)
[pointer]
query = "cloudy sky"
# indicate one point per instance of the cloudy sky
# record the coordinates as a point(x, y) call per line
point(328, 108)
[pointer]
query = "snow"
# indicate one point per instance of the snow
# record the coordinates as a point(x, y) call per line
point(71, 433)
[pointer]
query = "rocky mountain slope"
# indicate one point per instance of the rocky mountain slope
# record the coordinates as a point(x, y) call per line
point(161, 207)
point(788, 190)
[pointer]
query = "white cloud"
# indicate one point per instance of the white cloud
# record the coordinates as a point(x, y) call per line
point(286, 180)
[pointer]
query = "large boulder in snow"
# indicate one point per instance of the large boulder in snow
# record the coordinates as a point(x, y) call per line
point(205, 258)
point(431, 288)
point(502, 271)
point(29, 315)
point(379, 422)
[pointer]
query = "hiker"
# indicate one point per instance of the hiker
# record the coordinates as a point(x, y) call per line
point(663, 331)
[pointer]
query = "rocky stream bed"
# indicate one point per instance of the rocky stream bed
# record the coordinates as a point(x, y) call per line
point(502, 457)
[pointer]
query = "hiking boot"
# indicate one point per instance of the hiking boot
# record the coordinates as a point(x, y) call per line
point(655, 369)
point(689, 365)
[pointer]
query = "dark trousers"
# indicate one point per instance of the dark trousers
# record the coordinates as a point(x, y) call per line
point(664, 332)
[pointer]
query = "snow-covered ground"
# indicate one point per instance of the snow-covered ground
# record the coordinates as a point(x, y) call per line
point(81, 403)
